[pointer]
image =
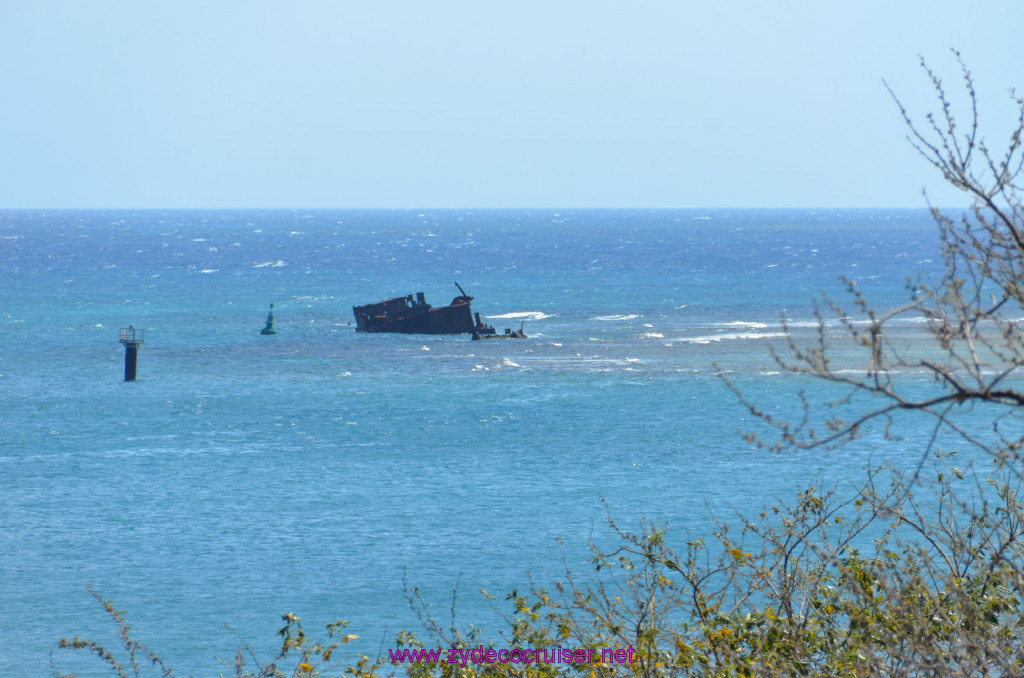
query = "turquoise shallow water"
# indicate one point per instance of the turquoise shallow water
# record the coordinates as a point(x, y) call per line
point(243, 476)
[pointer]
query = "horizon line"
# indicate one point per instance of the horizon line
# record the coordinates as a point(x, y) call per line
point(478, 209)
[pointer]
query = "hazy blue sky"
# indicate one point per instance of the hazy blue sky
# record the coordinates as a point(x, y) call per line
point(484, 103)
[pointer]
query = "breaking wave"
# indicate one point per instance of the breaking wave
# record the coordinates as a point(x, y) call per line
point(520, 315)
point(617, 317)
point(729, 336)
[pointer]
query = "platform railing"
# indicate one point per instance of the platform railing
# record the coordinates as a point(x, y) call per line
point(132, 335)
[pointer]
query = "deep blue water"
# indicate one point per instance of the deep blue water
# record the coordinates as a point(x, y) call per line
point(242, 476)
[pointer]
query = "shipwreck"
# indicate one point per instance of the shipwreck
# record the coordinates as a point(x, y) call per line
point(413, 315)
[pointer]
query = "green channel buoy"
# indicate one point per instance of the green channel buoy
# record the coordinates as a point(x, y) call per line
point(269, 329)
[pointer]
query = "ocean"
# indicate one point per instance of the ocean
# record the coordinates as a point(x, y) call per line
point(327, 473)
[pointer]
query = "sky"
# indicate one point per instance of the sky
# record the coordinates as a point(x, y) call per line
point(486, 103)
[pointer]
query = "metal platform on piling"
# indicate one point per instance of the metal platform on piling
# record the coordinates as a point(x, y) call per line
point(131, 338)
point(130, 335)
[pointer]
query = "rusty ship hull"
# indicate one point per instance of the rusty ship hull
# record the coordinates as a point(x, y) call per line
point(413, 315)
